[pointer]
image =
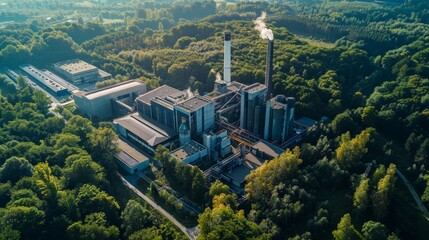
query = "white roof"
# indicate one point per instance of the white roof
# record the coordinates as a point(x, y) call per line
point(111, 89)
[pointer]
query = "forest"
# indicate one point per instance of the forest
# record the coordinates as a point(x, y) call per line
point(363, 66)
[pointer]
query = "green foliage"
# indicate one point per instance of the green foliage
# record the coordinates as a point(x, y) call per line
point(163, 232)
point(94, 227)
point(374, 230)
point(14, 169)
point(102, 142)
point(280, 168)
point(361, 195)
point(91, 199)
point(48, 184)
point(351, 151)
point(382, 195)
point(135, 217)
point(188, 179)
point(27, 220)
point(345, 229)
point(83, 170)
point(222, 222)
point(217, 187)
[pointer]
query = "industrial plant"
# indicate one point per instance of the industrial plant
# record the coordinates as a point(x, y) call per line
point(236, 127)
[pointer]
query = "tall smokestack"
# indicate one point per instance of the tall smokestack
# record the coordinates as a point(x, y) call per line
point(269, 69)
point(227, 58)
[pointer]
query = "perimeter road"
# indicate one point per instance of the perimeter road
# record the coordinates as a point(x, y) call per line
point(190, 232)
point(415, 196)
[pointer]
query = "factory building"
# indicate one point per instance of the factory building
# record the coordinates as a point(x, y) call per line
point(158, 105)
point(258, 154)
point(252, 108)
point(98, 103)
point(279, 118)
point(130, 159)
point(144, 132)
point(79, 72)
point(199, 114)
point(51, 84)
point(218, 143)
point(226, 98)
point(189, 153)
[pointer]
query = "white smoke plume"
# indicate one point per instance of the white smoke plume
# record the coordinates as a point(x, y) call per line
point(218, 77)
point(189, 93)
point(260, 25)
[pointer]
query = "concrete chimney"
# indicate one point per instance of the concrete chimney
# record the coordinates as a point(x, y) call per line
point(269, 69)
point(227, 58)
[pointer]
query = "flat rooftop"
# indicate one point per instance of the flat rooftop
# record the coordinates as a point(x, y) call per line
point(129, 155)
point(239, 173)
point(279, 101)
point(163, 92)
point(194, 103)
point(42, 78)
point(268, 148)
point(187, 150)
point(76, 66)
point(254, 88)
point(104, 74)
point(253, 160)
point(153, 134)
point(111, 89)
point(232, 87)
point(59, 80)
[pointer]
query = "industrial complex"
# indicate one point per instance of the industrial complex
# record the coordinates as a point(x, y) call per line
point(235, 128)
point(79, 72)
point(70, 76)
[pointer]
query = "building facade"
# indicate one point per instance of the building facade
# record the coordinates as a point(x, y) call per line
point(252, 108)
point(199, 114)
point(279, 118)
point(98, 103)
point(79, 72)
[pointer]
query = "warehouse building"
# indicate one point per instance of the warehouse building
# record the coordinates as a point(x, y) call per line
point(130, 159)
point(145, 133)
point(79, 72)
point(98, 103)
point(52, 86)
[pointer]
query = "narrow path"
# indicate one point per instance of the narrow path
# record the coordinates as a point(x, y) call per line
point(192, 233)
point(415, 196)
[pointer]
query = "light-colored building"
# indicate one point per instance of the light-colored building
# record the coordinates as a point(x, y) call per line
point(79, 72)
point(98, 103)
point(130, 159)
point(53, 86)
point(145, 133)
point(218, 143)
point(190, 152)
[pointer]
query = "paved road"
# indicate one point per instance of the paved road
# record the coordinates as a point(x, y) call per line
point(415, 196)
point(192, 233)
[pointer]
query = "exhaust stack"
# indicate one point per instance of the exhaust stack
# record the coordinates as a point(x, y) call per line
point(269, 69)
point(227, 58)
